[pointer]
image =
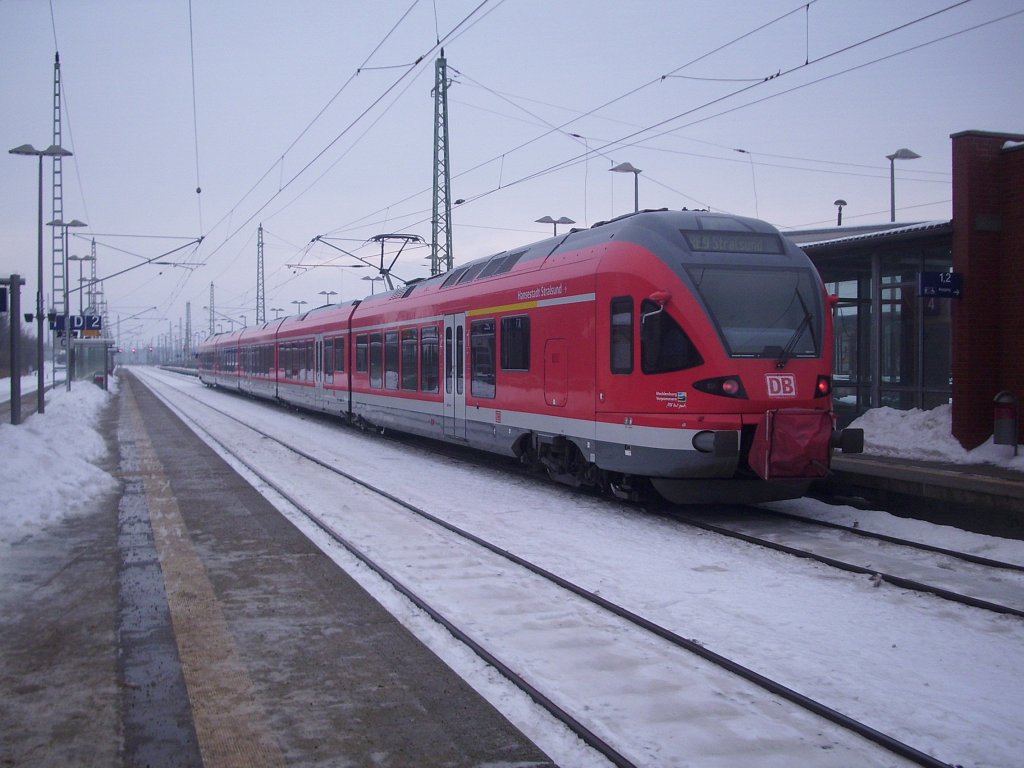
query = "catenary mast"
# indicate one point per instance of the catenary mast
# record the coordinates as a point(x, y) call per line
point(441, 256)
point(261, 303)
point(58, 277)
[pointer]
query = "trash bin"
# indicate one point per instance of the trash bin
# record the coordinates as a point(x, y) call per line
point(1004, 429)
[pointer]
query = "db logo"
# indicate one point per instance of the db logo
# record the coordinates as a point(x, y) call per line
point(781, 384)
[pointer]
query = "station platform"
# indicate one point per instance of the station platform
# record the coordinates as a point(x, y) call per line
point(188, 623)
point(982, 498)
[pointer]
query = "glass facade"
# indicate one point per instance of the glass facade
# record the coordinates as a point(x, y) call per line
point(892, 347)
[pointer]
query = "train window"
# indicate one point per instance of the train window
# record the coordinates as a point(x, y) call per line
point(622, 335)
point(339, 354)
point(493, 264)
point(429, 359)
point(515, 343)
point(664, 346)
point(472, 272)
point(453, 278)
point(307, 361)
point(409, 359)
point(481, 358)
point(283, 358)
point(376, 360)
point(508, 262)
point(329, 360)
point(362, 345)
point(770, 312)
point(391, 360)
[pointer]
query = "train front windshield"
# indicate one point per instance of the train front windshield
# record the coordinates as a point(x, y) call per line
point(763, 312)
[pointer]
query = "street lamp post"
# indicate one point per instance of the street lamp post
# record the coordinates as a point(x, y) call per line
point(373, 283)
point(555, 222)
point(629, 168)
point(328, 294)
point(299, 304)
point(52, 151)
point(68, 341)
point(899, 154)
point(277, 312)
point(839, 216)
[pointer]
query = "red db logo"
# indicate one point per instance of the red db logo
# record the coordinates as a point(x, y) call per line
point(781, 384)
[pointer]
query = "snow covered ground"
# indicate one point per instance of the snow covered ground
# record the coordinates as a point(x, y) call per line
point(927, 436)
point(49, 461)
point(836, 618)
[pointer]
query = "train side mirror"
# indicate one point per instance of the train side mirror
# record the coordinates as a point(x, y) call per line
point(661, 298)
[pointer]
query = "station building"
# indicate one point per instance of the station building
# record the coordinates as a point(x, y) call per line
point(902, 345)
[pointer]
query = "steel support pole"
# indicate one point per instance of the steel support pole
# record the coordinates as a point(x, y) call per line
point(40, 379)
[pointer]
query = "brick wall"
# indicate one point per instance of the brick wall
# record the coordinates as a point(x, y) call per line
point(988, 249)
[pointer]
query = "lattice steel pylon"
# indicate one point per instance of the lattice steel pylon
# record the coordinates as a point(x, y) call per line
point(441, 257)
point(261, 302)
point(57, 233)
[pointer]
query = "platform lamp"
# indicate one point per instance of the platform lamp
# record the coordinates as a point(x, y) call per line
point(67, 310)
point(555, 222)
point(328, 294)
point(629, 168)
point(52, 151)
point(839, 216)
point(899, 154)
point(299, 303)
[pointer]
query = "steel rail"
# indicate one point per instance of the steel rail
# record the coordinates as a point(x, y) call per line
point(899, 581)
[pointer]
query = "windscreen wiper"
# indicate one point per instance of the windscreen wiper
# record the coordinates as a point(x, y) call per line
point(787, 352)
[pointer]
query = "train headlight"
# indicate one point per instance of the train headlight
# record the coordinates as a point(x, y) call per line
point(824, 386)
point(724, 386)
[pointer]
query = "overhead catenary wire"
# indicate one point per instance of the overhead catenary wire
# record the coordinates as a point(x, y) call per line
point(633, 139)
point(472, 18)
point(466, 23)
point(355, 121)
point(625, 141)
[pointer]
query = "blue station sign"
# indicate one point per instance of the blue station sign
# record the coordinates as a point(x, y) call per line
point(941, 285)
point(79, 324)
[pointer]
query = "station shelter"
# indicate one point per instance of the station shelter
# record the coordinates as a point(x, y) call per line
point(898, 341)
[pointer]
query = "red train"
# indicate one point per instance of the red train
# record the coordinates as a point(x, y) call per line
point(684, 349)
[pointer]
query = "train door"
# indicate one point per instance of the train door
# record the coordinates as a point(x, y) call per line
point(455, 375)
point(556, 372)
point(318, 371)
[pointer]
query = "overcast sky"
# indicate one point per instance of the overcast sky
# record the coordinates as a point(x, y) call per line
point(316, 118)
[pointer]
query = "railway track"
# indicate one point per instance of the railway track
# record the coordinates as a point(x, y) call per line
point(601, 618)
point(960, 577)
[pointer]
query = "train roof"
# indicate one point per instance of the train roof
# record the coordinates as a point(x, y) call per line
point(651, 229)
point(697, 235)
